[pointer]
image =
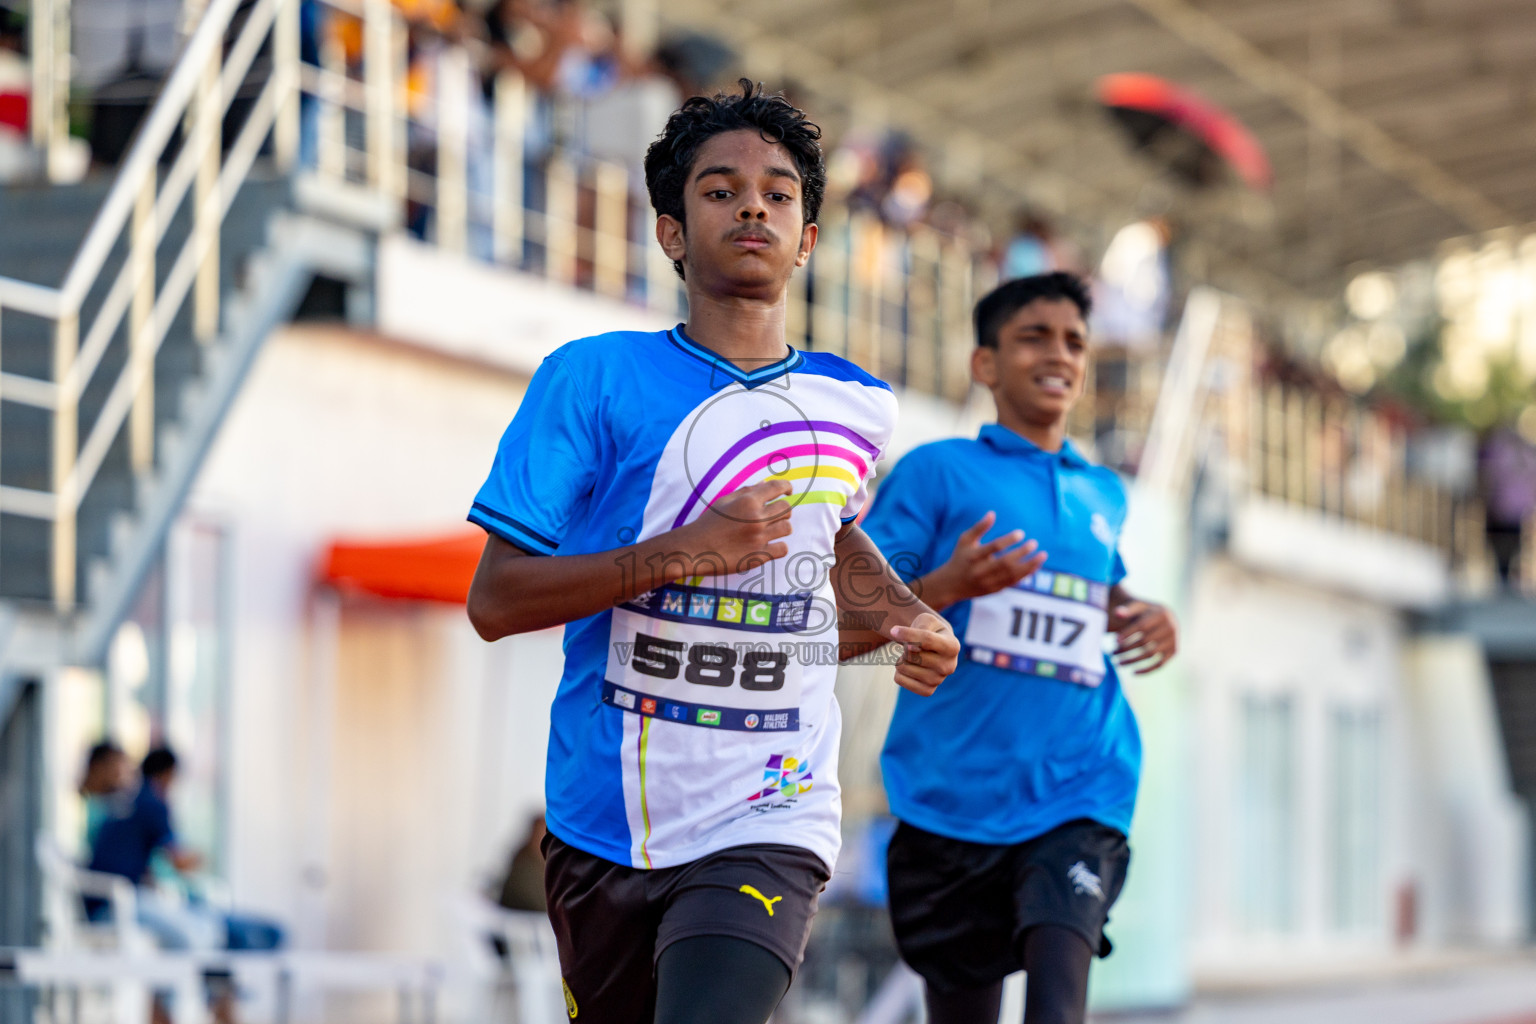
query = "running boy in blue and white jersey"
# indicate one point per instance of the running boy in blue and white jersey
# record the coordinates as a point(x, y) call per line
point(680, 499)
point(1014, 785)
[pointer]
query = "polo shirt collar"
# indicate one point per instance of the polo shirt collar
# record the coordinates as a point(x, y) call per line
point(1001, 439)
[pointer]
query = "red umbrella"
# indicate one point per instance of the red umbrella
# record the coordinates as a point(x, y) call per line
point(1194, 135)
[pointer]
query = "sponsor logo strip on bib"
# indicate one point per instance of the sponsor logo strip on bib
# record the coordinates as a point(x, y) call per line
point(1050, 625)
point(741, 719)
point(754, 613)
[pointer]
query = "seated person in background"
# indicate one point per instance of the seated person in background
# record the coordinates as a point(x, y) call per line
point(523, 887)
point(106, 783)
point(125, 845)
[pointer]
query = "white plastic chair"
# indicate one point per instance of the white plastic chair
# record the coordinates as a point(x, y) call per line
point(532, 968)
point(66, 885)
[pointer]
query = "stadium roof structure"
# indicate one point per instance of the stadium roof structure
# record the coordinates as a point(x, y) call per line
point(1392, 125)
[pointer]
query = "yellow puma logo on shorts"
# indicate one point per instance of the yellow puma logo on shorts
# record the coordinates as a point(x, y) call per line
point(767, 903)
point(570, 999)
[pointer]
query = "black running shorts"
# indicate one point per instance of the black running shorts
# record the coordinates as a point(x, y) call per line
point(961, 910)
point(612, 921)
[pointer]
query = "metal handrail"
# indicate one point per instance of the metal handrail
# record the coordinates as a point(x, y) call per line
point(198, 92)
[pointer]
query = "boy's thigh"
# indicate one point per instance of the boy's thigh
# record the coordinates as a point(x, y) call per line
point(605, 918)
point(1071, 876)
point(765, 894)
point(951, 908)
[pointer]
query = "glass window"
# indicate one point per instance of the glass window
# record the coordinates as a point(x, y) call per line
point(1355, 813)
point(1266, 815)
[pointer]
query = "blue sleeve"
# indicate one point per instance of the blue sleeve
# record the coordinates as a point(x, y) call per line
point(903, 520)
point(547, 461)
point(160, 832)
point(1117, 570)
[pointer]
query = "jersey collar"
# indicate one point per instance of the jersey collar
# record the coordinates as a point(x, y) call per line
point(1001, 439)
point(750, 379)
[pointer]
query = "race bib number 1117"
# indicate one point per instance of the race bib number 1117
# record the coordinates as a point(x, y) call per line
point(1051, 625)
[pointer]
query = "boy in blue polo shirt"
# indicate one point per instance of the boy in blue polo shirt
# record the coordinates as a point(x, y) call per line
point(1014, 784)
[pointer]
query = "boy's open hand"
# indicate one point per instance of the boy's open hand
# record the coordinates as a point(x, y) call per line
point(976, 569)
point(1147, 634)
point(932, 653)
point(743, 529)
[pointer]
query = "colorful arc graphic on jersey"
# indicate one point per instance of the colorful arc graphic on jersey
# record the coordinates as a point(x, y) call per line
point(812, 444)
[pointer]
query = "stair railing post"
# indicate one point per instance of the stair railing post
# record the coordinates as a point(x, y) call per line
point(660, 275)
point(378, 85)
point(141, 251)
point(332, 143)
point(510, 120)
point(206, 212)
point(560, 220)
point(610, 243)
point(453, 99)
point(49, 27)
point(400, 138)
point(40, 48)
point(285, 61)
point(66, 426)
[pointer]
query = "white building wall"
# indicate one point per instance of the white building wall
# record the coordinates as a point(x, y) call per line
point(338, 434)
point(1255, 637)
point(1451, 839)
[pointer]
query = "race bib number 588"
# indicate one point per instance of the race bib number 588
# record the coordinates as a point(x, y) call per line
point(707, 657)
point(1051, 625)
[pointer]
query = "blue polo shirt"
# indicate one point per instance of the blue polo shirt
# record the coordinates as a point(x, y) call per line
point(124, 844)
point(1003, 754)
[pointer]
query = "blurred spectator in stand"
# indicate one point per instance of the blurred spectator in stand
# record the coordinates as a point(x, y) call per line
point(695, 63)
point(887, 177)
point(1028, 252)
point(16, 157)
point(1130, 302)
point(523, 886)
point(908, 187)
point(123, 49)
point(1036, 248)
point(556, 45)
point(1509, 487)
point(104, 785)
point(853, 171)
point(437, 27)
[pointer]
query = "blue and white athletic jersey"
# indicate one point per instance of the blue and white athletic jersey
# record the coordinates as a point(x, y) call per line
point(698, 716)
point(1032, 730)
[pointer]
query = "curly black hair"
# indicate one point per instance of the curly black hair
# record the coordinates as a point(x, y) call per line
point(998, 305)
point(671, 156)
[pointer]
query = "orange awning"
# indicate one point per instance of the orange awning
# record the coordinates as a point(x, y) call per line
point(430, 569)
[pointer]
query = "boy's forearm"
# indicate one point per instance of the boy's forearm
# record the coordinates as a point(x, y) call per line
point(516, 592)
point(936, 589)
point(871, 598)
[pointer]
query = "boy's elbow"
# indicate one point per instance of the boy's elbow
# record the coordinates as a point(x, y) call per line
point(488, 625)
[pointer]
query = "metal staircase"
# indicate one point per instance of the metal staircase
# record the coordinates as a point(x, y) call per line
point(130, 311)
